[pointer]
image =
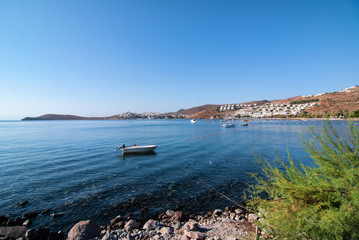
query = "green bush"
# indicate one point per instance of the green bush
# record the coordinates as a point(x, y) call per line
point(304, 101)
point(318, 202)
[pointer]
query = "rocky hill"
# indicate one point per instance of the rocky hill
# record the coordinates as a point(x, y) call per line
point(61, 117)
point(334, 104)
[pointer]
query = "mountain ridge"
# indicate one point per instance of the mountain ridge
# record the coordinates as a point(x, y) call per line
point(328, 104)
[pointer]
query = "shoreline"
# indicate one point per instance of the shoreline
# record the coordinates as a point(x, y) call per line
point(234, 222)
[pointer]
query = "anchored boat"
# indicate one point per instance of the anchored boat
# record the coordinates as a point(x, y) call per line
point(228, 125)
point(136, 149)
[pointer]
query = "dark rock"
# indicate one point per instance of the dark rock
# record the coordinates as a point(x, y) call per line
point(37, 234)
point(84, 230)
point(3, 220)
point(178, 215)
point(162, 216)
point(12, 232)
point(192, 216)
point(58, 214)
point(57, 235)
point(217, 212)
point(115, 220)
point(170, 213)
point(45, 211)
point(30, 215)
point(144, 209)
point(16, 221)
point(118, 225)
point(22, 203)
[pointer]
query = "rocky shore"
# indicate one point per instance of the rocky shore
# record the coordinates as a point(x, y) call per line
point(231, 223)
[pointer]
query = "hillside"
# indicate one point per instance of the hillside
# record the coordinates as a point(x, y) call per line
point(333, 104)
point(61, 117)
point(197, 110)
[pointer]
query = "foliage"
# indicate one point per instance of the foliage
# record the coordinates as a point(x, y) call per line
point(312, 202)
point(304, 101)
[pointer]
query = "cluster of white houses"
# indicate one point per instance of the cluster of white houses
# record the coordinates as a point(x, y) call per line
point(266, 110)
point(149, 115)
point(348, 89)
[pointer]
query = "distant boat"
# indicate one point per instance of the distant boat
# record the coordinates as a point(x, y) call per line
point(243, 124)
point(193, 120)
point(228, 125)
point(136, 149)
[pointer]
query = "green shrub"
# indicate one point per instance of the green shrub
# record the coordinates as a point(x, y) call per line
point(304, 101)
point(318, 202)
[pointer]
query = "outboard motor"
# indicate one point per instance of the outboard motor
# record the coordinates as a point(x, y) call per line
point(122, 146)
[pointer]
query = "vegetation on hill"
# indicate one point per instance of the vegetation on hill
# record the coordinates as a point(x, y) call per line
point(312, 202)
point(304, 101)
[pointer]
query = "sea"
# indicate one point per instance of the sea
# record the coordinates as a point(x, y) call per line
point(71, 167)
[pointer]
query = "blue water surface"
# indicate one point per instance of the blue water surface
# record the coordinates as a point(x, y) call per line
point(71, 166)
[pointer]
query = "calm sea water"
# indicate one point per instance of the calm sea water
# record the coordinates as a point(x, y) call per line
point(71, 166)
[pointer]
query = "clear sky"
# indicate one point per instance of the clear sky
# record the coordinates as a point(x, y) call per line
point(101, 58)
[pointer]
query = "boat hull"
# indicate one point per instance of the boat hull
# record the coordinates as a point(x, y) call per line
point(139, 149)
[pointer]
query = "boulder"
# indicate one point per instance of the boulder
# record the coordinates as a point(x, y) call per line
point(130, 225)
point(166, 231)
point(194, 235)
point(217, 212)
point(30, 215)
point(239, 211)
point(16, 221)
point(252, 217)
point(57, 235)
point(178, 215)
point(37, 234)
point(84, 230)
point(151, 225)
point(27, 222)
point(170, 213)
point(191, 226)
point(116, 223)
point(58, 214)
point(22, 203)
point(12, 232)
point(45, 211)
point(3, 220)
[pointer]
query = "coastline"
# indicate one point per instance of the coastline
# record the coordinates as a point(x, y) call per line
point(234, 222)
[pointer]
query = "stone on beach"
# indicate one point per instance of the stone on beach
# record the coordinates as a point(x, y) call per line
point(130, 225)
point(37, 234)
point(191, 226)
point(84, 230)
point(13, 232)
point(3, 220)
point(151, 224)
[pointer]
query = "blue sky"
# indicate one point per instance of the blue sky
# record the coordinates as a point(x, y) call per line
point(101, 58)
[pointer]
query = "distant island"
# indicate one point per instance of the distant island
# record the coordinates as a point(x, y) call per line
point(340, 104)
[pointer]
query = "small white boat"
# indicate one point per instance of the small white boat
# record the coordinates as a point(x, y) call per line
point(243, 124)
point(228, 125)
point(193, 120)
point(136, 149)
